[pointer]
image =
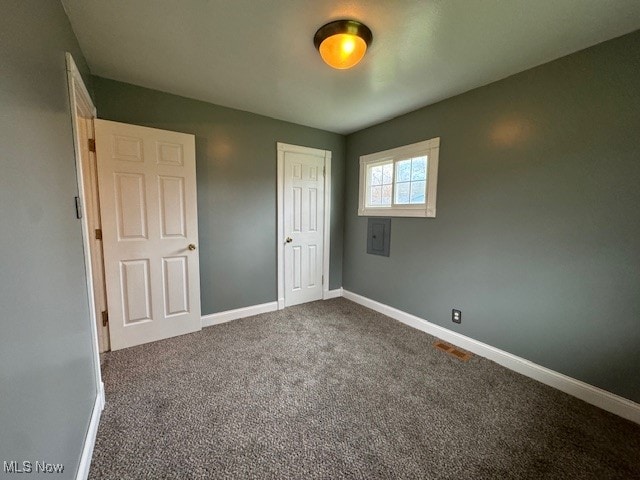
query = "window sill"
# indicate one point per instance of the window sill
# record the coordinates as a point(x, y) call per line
point(397, 212)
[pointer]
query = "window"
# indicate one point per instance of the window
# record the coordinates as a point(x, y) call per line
point(400, 182)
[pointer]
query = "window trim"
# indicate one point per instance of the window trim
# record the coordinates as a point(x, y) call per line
point(431, 148)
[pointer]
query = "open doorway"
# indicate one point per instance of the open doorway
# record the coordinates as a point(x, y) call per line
point(137, 190)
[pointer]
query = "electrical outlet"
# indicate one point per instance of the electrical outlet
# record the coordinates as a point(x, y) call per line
point(456, 316)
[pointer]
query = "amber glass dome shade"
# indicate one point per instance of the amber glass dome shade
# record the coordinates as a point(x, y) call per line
point(343, 43)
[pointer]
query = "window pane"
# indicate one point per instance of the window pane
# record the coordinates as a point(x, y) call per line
point(386, 195)
point(376, 195)
point(402, 192)
point(419, 168)
point(417, 191)
point(403, 171)
point(387, 173)
point(376, 175)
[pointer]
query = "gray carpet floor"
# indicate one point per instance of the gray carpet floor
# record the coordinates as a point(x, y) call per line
point(332, 390)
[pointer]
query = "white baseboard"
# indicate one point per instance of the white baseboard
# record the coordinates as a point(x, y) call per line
point(596, 396)
point(90, 439)
point(329, 294)
point(223, 317)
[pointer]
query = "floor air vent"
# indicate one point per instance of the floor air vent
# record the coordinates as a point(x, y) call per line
point(451, 350)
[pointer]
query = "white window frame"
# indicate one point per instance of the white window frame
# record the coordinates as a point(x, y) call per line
point(431, 149)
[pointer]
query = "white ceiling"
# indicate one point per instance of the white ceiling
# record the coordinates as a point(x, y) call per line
point(258, 55)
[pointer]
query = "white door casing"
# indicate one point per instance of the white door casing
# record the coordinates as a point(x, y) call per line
point(303, 233)
point(80, 102)
point(147, 182)
point(91, 210)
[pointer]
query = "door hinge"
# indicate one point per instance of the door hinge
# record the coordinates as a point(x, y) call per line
point(322, 279)
point(92, 145)
point(98, 234)
point(105, 318)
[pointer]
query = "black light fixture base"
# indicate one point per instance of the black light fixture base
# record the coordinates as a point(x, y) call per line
point(336, 27)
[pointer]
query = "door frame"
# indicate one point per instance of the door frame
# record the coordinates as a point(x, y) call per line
point(77, 89)
point(280, 234)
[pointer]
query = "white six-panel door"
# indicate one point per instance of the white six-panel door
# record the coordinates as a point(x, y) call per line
point(147, 182)
point(303, 226)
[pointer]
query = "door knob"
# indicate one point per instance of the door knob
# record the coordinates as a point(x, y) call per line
point(289, 240)
point(192, 246)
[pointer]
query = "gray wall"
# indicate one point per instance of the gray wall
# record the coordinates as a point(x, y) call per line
point(47, 388)
point(236, 170)
point(537, 235)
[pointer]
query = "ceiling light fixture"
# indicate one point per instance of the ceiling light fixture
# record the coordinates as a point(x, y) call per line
point(342, 43)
